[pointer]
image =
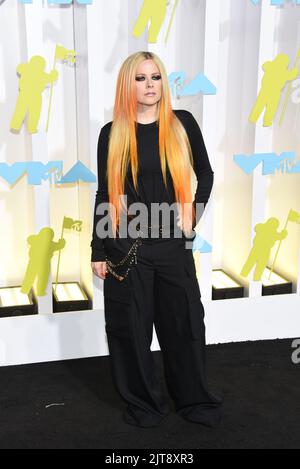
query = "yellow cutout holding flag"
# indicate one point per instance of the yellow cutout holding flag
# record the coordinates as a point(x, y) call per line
point(266, 237)
point(33, 81)
point(42, 248)
point(274, 80)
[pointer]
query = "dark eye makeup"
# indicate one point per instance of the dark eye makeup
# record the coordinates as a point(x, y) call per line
point(155, 77)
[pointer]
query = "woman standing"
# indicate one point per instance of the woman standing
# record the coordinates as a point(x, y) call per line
point(147, 154)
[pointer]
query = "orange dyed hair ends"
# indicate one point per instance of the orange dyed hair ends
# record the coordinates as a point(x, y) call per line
point(174, 147)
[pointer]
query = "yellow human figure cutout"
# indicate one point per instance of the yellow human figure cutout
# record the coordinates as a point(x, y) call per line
point(155, 11)
point(42, 248)
point(32, 82)
point(266, 236)
point(275, 77)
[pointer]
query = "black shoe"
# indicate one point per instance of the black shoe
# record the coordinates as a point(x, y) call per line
point(141, 418)
point(209, 416)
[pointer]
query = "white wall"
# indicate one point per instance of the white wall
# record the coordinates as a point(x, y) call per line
point(227, 40)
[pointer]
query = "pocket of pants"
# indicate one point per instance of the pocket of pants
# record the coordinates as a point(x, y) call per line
point(116, 289)
point(119, 290)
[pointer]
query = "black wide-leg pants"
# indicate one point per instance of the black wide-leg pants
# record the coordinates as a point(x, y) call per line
point(161, 289)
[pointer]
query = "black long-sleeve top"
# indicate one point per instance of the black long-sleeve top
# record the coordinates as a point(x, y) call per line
point(151, 187)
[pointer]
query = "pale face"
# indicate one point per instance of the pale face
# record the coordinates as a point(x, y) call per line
point(148, 79)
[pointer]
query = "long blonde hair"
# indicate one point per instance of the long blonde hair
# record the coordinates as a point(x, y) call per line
point(174, 147)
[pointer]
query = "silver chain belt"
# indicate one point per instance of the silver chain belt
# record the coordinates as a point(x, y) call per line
point(131, 256)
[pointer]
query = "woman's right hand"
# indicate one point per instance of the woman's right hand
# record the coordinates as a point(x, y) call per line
point(99, 269)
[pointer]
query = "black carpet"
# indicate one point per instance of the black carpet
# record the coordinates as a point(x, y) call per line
point(259, 383)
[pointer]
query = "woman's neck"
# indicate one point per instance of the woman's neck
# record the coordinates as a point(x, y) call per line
point(146, 117)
